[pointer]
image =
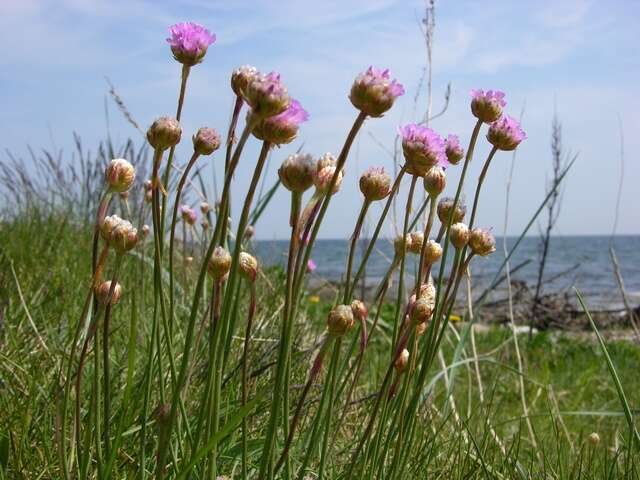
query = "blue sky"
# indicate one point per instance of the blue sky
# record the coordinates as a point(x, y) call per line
point(578, 55)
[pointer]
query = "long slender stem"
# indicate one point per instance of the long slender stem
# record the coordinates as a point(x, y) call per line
point(352, 247)
point(245, 363)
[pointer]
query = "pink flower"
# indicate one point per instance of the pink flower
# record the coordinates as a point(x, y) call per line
point(266, 95)
point(423, 148)
point(453, 149)
point(282, 128)
point(311, 266)
point(487, 106)
point(506, 133)
point(373, 91)
point(188, 214)
point(189, 42)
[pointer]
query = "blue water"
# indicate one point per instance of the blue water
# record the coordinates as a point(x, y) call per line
point(580, 261)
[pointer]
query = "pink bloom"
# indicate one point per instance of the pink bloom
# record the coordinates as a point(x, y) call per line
point(267, 95)
point(189, 42)
point(282, 128)
point(373, 91)
point(423, 148)
point(453, 149)
point(311, 266)
point(506, 133)
point(188, 214)
point(487, 106)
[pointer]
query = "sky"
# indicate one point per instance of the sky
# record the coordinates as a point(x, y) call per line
point(578, 58)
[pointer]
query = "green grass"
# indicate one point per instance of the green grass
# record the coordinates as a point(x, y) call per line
point(569, 389)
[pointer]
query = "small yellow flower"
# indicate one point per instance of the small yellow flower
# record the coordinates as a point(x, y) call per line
point(314, 299)
point(454, 318)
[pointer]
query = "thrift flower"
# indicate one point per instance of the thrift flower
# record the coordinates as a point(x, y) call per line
point(453, 149)
point(124, 237)
point(297, 171)
point(248, 266)
point(375, 184)
point(311, 266)
point(219, 263)
point(188, 214)
point(340, 320)
point(189, 42)
point(373, 92)
point(266, 95)
point(445, 210)
point(241, 77)
point(402, 362)
point(459, 235)
point(120, 175)
point(282, 128)
point(102, 293)
point(432, 252)
point(206, 141)
point(506, 133)
point(435, 180)
point(165, 132)
point(423, 148)
point(487, 106)
point(482, 242)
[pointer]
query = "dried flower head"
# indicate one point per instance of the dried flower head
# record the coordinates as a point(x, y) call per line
point(482, 242)
point(102, 293)
point(241, 77)
point(119, 175)
point(401, 245)
point(375, 184)
point(282, 128)
point(165, 132)
point(248, 266)
point(434, 181)
point(373, 91)
point(423, 148)
point(188, 214)
point(402, 362)
point(219, 263)
point(206, 141)
point(487, 106)
point(432, 252)
point(297, 171)
point(446, 211)
point(421, 310)
point(340, 320)
point(189, 42)
point(459, 235)
point(416, 239)
point(506, 133)
point(266, 95)
point(124, 237)
point(359, 309)
point(453, 149)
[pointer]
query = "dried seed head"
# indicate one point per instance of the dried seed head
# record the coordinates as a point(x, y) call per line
point(416, 239)
point(445, 210)
point(248, 266)
point(432, 252)
point(340, 320)
point(241, 77)
point(206, 141)
point(119, 175)
point(402, 362)
point(124, 237)
point(482, 242)
point(164, 133)
point(421, 310)
point(102, 293)
point(459, 235)
point(434, 181)
point(375, 184)
point(359, 309)
point(297, 172)
point(219, 263)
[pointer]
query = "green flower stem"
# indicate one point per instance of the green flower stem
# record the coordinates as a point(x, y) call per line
point(245, 362)
point(352, 247)
point(329, 415)
point(427, 231)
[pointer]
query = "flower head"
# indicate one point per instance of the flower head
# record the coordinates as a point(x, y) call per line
point(311, 266)
point(423, 148)
point(120, 175)
point(124, 237)
point(102, 293)
point(325, 170)
point(109, 224)
point(241, 77)
point(506, 133)
point(453, 149)
point(482, 242)
point(445, 210)
point(248, 266)
point(432, 252)
point(249, 232)
point(297, 171)
point(204, 208)
point(421, 310)
point(206, 141)
point(373, 91)
point(401, 245)
point(416, 239)
point(487, 106)
point(219, 263)
point(340, 320)
point(359, 309)
point(435, 180)
point(188, 214)
point(282, 128)
point(189, 42)
point(459, 235)
point(266, 95)
point(165, 132)
point(375, 184)
point(402, 362)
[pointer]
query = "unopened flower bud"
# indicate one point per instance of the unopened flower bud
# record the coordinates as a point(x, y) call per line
point(145, 230)
point(594, 438)
point(297, 172)
point(219, 263)
point(249, 232)
point(416, 239)
point(326, 160)
point(359, 309)
point(322, 180)
point(482, 242)
point(248, 266)
point(434, 181)
point(102, 293)
point(109, 224)
point(148, 196)
point(487, 106)
point(204, 208)
point(124, 237)
point(432, 252)
point(402, 362)
point(241, 77)
point(445, 211)
point(206, 141)
point(164, 133)
point(188, 214)
point(120, 175)
point(453, 149)
point(340, 320)
point(401, 245)
point(421, 310)
point(373, 92)
point(375, 184)
point(459, 235)
point(266, 95)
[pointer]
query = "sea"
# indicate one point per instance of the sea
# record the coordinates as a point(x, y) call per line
point(583, 262)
